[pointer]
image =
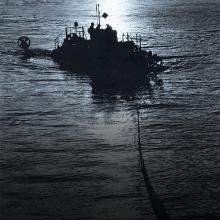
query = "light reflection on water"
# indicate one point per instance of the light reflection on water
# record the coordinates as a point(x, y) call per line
point(69, 151)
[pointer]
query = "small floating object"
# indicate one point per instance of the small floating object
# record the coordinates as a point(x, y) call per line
point(24, 42)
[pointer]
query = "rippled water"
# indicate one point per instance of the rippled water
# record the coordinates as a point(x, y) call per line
point(69, 151)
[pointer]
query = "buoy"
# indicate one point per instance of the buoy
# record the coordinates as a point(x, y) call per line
point(24, 42)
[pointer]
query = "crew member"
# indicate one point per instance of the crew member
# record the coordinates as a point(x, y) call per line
point(91, 31)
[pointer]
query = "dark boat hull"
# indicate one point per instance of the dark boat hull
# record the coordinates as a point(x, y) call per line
point(107, 67)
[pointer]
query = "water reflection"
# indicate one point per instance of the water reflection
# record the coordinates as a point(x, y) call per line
point(58, 126)
point(117, 11)
point(114, 91)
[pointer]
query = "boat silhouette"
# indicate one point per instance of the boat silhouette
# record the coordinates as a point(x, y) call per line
point(102, 56)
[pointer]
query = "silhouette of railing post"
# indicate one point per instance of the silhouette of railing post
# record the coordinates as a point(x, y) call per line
point(140, 42)
point(66, 32)
point(127, 37)
point(123, 37)
point(56, 42)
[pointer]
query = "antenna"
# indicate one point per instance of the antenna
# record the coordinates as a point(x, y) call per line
point(98, 14)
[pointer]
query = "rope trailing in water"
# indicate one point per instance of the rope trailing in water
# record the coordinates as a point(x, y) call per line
point(157, 206)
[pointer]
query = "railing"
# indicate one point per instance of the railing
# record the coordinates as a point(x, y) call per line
point(57, 42)
point(79, 31)
point(136, 39)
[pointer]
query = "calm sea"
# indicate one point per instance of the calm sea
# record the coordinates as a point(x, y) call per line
point(69, 151)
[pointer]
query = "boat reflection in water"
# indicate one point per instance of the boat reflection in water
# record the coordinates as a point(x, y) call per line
point(101, 86)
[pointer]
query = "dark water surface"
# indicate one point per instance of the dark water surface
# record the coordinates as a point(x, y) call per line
point(68, 151)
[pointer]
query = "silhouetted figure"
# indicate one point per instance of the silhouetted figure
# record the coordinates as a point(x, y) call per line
point(91, 31)
point(98, 35)
point(98, 27)
point(108, 28)
point(110, 35)
point(150, 58)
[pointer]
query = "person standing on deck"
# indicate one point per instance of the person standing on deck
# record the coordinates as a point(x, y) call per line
point(91, 31)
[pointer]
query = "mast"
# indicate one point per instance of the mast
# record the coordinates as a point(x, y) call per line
point(98, 14)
